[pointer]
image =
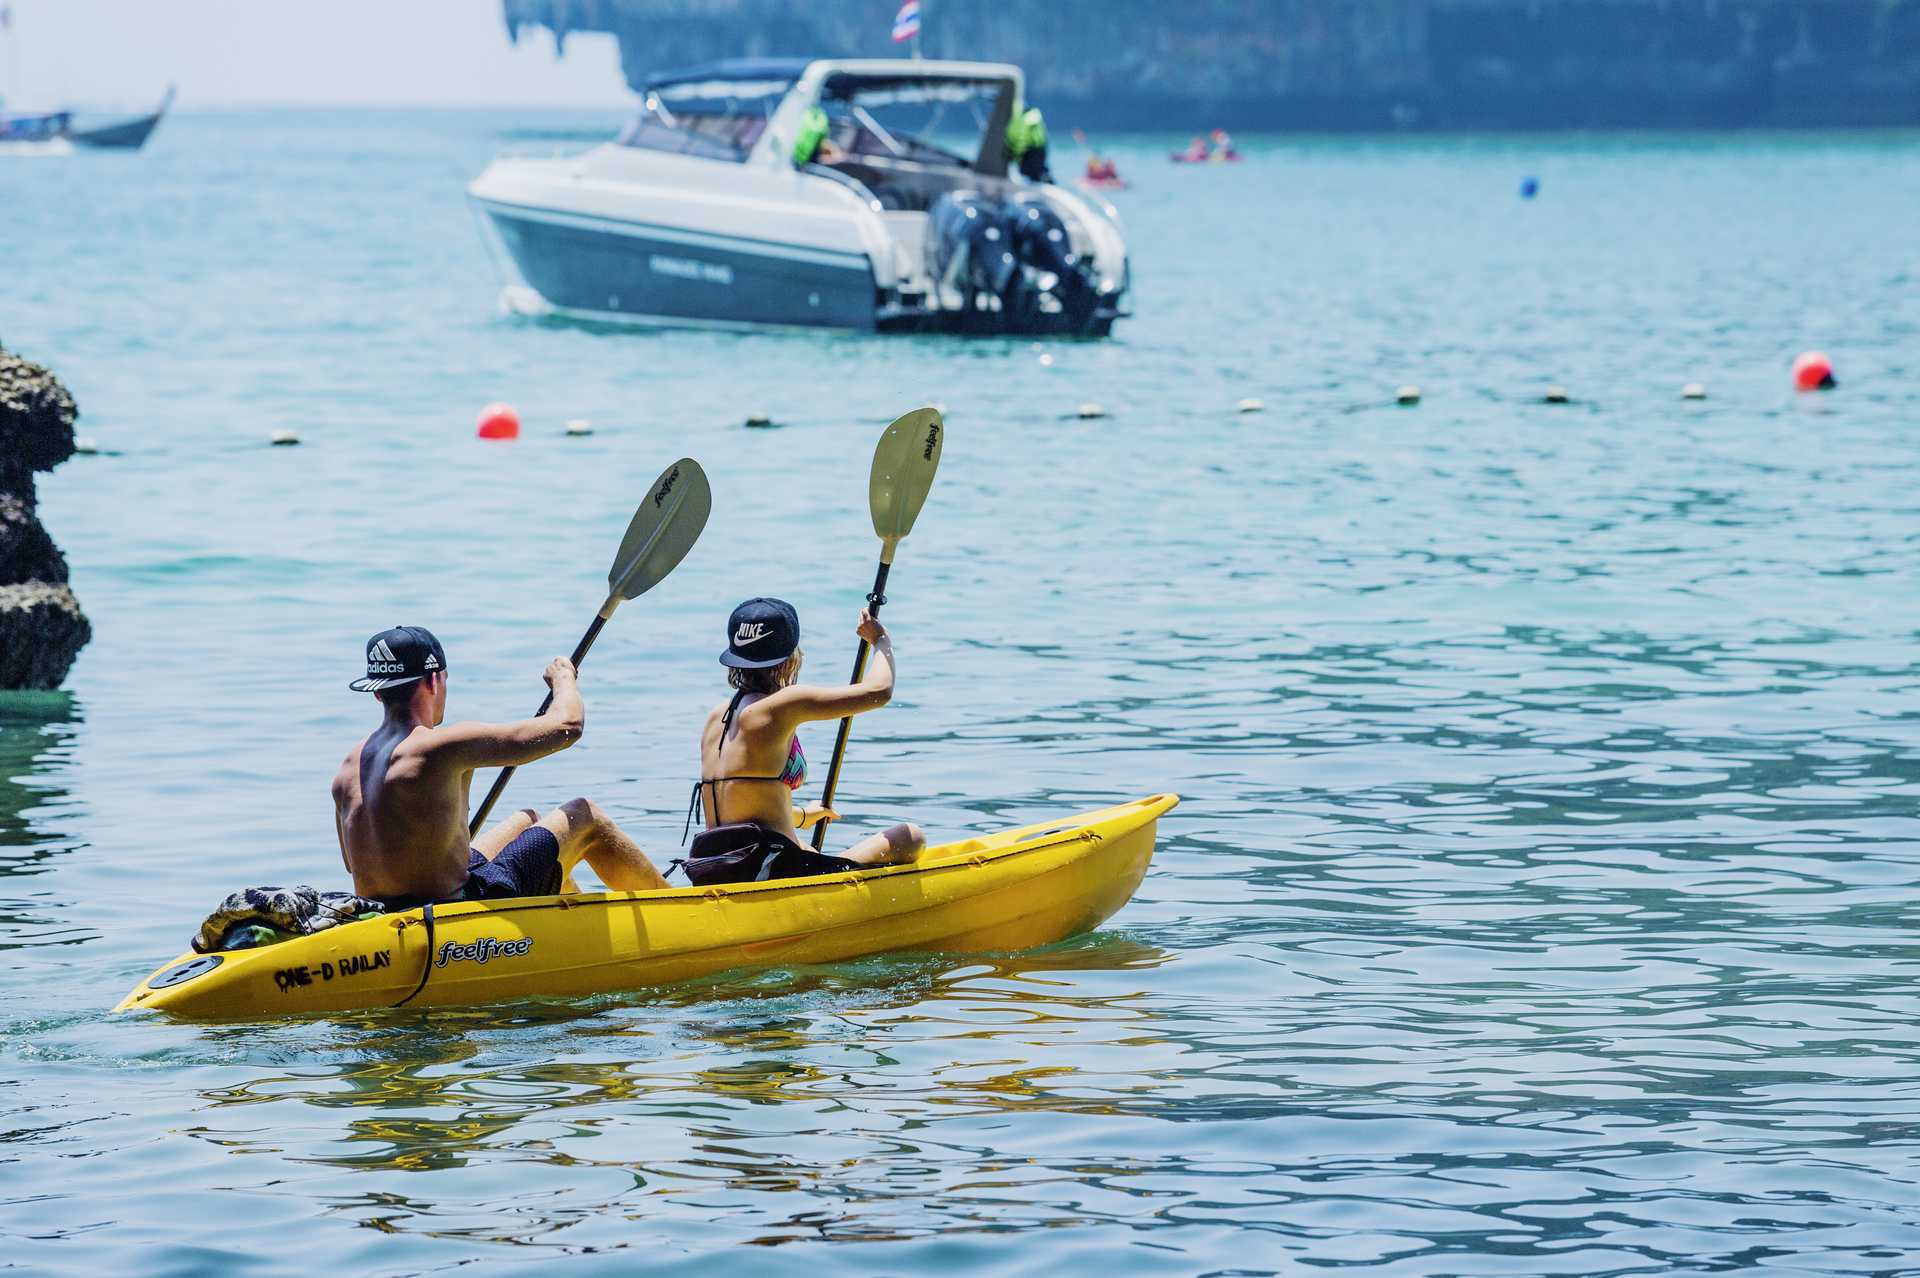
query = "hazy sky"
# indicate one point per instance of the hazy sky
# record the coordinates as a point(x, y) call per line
point(224, 52)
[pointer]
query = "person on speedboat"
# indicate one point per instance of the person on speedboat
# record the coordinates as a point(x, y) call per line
point(400, 798)
point(751, 761)
point(815, 144)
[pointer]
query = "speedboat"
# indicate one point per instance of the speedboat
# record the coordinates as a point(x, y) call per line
point(871, 195)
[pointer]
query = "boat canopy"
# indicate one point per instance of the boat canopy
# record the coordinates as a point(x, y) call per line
point(888, 88)
point(732, 78)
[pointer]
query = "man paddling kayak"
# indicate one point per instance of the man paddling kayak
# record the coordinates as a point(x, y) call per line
point(751, 761)
point(400, 799)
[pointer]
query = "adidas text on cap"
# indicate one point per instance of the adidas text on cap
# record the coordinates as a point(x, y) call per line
point(403, 654)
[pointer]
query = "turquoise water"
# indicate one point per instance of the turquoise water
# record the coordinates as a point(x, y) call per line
point(1541, 897)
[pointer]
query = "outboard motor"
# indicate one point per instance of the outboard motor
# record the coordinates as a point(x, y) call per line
point(969, 250)
point(1041, 242)
point(1010, 264)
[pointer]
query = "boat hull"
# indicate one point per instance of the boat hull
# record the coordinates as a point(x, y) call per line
point(594, 267)
point(1007, 891)
point(126, 135)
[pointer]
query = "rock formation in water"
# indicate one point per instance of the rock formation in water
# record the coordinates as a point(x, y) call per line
point(1344, 64)
point(41, 626)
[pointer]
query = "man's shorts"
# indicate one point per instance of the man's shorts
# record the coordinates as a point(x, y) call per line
point(528, 866)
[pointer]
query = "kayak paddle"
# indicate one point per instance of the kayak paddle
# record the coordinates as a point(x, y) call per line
point(663, 530)
point(903, 466)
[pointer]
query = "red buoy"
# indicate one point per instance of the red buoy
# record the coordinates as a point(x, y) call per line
point(1813, 371)
point(499, 421)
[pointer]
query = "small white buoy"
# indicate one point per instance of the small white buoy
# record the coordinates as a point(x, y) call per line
point(1556, 395)
point(1046, 360)
point(1693, 390)
point(759, 420)
point(1090, 411)
point(1407, 395)
point(579, 426)
point(1249, 406)
point(86, 444)
point(284, 438)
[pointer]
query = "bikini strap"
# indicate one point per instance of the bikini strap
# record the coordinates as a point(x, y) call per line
point(726, 720)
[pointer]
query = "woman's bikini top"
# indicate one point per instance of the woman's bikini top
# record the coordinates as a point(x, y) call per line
point(792, 776)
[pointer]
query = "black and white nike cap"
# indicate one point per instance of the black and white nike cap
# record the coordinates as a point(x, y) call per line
point(761, 634)
point(403, 654)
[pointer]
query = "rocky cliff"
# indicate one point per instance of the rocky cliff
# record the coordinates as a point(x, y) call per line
point(1345, 64)
point(41, 626)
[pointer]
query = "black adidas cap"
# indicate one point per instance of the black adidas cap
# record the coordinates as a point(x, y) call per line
point(761, 634)
point(400, 655)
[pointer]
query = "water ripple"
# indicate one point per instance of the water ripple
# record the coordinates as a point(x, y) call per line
point(1541, 901)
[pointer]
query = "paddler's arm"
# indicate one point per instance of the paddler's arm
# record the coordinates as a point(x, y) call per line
point(339, 807)
point(805, 703)
point(811, 815)
point(492, 745)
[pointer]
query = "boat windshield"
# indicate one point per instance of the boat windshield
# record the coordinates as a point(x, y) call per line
point(933, 122)
point(719, 114)
point(716, 119)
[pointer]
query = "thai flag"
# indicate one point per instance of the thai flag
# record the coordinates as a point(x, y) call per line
point(906, 23)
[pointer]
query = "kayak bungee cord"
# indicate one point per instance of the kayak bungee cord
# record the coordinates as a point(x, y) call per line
point(426, 963)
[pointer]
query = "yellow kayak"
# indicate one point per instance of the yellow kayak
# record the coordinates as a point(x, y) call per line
point(1004, 891)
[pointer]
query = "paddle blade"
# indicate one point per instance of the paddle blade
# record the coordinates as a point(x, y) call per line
point(903, 467)
point(663, 529)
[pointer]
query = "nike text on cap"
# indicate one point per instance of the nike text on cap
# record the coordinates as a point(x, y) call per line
point(400, 655)
point(761, 634)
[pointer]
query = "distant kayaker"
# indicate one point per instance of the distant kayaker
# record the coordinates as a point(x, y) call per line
point(751, 761)
point(400, 799)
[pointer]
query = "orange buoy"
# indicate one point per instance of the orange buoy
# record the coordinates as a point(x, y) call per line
point(1813, 371)
point(499, 421)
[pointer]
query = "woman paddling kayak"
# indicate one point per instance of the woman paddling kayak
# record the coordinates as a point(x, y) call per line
point(751, 760)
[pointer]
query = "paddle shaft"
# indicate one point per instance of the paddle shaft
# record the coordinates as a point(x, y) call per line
point(579, 655)
point(874, 604)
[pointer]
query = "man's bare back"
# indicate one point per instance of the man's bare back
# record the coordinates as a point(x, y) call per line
point(400, 797)
point(402, 816)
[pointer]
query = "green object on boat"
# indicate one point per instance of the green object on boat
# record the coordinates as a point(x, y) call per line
point(1026, 131)
point(813, 131)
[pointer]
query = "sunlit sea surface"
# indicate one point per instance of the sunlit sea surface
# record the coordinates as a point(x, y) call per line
point(1541, 900)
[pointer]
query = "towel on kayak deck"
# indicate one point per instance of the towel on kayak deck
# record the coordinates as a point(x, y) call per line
point(253, 916)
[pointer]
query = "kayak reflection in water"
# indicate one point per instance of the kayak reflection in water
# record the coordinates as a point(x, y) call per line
point(751, 761)
point(400, 799)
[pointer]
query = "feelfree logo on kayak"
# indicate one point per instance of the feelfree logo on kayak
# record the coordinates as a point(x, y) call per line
point(484, 950)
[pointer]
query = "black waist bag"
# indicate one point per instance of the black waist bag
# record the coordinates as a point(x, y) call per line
point(749, 853)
